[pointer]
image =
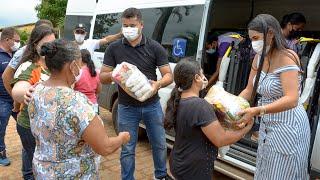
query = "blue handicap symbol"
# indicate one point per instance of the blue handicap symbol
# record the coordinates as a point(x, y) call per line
point(179, 47)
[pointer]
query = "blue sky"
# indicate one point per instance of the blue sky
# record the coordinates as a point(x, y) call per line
point(16, 12)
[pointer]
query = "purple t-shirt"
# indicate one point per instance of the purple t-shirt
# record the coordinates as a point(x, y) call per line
point(224, 42)
point(292, 44)
point(222, 49)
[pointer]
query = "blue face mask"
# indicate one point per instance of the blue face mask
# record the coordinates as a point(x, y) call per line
point(211, 51)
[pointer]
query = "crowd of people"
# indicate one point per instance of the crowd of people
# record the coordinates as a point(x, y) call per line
point(45, 80)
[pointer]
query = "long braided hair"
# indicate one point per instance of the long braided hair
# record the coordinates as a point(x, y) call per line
point(184, 74)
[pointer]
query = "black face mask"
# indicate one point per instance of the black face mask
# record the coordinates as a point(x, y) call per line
point(293, 34)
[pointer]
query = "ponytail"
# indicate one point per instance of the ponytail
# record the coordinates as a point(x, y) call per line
point(92, 68)
point(170, 119)
point(86, 58)
point(183, 74)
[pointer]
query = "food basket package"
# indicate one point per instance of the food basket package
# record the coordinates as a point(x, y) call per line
point(226, 106)
point(132, 81)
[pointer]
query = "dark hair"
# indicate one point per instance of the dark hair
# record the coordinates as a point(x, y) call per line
point(184, 73)
point(293, 18)
point(132, 13)
point(211, 38)
point(58, 53)
point(86, 58)
point(43, 22)
point(8, 33)
point(265, 23)
point(37, 34)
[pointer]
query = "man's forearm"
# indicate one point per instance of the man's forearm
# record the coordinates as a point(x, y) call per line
point(213, 79)
point(110, 38)
point(105, 77)
point(166, 80)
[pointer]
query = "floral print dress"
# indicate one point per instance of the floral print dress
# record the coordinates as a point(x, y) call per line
point(58, 118)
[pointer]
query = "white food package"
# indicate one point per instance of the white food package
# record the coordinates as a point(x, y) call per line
point(132, 81)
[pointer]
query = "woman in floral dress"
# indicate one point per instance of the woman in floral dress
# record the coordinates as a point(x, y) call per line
point(69, 135)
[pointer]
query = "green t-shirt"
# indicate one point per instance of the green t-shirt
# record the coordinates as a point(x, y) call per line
point(32, 73)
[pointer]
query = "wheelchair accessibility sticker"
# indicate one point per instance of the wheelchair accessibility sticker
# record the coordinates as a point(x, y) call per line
point(179, 47)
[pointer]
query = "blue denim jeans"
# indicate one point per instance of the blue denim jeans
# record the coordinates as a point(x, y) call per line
point(128, 120)
point(5, 112)
point(29, 145)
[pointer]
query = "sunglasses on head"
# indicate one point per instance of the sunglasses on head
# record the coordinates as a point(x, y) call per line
point(80, 31)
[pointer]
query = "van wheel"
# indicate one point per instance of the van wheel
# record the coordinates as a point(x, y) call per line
point(141, 133)
point(115, 116)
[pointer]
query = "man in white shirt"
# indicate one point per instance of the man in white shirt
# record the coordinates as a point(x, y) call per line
point(91, 44)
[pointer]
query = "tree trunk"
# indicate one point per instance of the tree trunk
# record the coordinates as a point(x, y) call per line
point(161, 24)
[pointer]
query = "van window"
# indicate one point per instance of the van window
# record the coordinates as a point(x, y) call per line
point(72, 21)
point(161, 24)
point(184, 23)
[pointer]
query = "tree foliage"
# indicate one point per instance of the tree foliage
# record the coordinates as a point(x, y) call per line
point(24, 35)
point(103, 24)
point(53, 10)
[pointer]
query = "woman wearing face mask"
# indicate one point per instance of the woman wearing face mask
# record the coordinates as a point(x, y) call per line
point(32, 70)
point(68, 132)
point(198, 133)
point(284, 129)
point(88, 82)
point(291, 24)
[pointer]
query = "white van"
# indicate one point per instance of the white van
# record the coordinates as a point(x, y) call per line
point(181, 26)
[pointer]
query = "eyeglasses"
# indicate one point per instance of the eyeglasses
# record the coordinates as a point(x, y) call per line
point(80, 32)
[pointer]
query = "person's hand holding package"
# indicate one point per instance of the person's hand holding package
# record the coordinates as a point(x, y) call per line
point(228, 107)
point(131, 80)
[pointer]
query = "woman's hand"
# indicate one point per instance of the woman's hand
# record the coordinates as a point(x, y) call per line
point(28, 95)
point(248, 127)
point(247, 116)
point(125, 136)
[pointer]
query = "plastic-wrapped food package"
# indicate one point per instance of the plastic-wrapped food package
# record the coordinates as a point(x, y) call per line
point(226, 106)
point(132, 81)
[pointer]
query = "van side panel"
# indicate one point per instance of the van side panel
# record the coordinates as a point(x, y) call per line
point(76, 7)
point(120, 5)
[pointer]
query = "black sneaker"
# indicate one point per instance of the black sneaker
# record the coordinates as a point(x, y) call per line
point(167, 177)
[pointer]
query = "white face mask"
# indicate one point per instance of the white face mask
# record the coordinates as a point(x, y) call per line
point(130, 33)
point(211, 51)
point(79, 38)
point(257, 46)
point(15, 46)
point(204, 83)
point(76, 78)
